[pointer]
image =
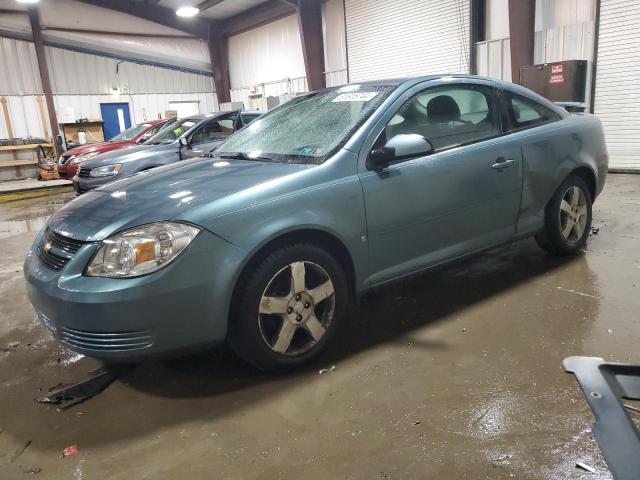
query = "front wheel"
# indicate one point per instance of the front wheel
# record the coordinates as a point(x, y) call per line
point(289, 307)
point(567, 218)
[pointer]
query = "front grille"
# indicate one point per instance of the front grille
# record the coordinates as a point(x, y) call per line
point(84, 172)
point(51, 260)
point(56, 250)
point(107, 342)
point(68, 244)
point(62, 174)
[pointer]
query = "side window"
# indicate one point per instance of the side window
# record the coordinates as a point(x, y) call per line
point(248, 118)
point(216, 129)
point(448, 116)
point(149, 133)
point(525, 112)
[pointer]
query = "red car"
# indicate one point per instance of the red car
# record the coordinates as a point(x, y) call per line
point(71, 159)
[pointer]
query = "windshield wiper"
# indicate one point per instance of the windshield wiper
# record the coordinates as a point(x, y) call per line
point(242, 156)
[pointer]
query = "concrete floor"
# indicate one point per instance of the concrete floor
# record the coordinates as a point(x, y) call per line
point(455, 374)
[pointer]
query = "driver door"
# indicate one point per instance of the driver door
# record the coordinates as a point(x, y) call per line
point(453, 201)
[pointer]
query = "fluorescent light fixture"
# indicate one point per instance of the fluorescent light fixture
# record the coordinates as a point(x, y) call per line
point(27, 1)
point(187, 11)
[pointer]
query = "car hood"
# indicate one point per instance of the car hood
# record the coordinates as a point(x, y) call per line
point(129, 154)
point(163, 193)
point(95, 147)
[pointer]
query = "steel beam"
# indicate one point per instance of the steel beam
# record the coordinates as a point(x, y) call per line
point(34, 18)
point(218, 53)
point(522, 15)
point(310, 25)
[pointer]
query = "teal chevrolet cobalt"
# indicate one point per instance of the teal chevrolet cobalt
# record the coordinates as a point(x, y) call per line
point(266, 244)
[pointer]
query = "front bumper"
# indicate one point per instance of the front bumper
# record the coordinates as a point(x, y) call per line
point(84, 184)
point(183, 306)
point(68, 170)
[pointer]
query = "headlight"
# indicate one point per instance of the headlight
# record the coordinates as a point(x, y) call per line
point(82, 158)
point(105, 170)
point(141, 250)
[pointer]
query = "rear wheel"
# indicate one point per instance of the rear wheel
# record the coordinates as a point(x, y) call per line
point(567, 218)
point(289, 307)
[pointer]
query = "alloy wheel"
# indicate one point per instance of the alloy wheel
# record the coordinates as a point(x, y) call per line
point(573, 214)
point(296, 308)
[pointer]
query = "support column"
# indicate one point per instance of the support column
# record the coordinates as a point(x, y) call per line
point(522, 18)
point(34, 17)
point(310, 25)
point(219, 55)
point(477, 31)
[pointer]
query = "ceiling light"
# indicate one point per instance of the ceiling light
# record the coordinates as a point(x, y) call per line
point(27, 1)
point(187, 11)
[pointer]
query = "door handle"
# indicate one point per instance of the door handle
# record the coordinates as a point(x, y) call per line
point(501, 163)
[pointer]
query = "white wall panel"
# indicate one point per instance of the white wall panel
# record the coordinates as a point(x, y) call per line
point(335, 47)
point(266, 54)
point(82, 73)
point(19, 74)
point(564, 30)
point(269, 89)
point(395, 38)
point(493, 59)
point(497, 19)
point(617, 101)
point(142, 107)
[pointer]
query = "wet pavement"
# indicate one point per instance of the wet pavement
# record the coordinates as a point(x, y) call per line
point(455, 374)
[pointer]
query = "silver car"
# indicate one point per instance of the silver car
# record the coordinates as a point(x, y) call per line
point(189, 137)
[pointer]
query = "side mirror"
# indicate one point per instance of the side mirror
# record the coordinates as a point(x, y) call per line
point(400, 147)
point(184, 141)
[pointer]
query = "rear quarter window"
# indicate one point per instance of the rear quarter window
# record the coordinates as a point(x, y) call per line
point(526, 113)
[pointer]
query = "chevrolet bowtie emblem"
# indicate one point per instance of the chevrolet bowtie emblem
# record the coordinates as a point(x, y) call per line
point(47, 247)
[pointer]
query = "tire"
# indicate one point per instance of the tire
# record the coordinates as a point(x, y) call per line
point(278, 323)
point(563, 213)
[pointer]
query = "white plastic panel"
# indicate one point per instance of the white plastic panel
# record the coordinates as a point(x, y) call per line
point(265, 54)
point(617, 101)
point(397, 38)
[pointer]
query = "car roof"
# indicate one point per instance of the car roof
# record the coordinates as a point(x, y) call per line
point(396, 82)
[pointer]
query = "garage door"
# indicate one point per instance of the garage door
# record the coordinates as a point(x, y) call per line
point(397, 38)
point(617, 101)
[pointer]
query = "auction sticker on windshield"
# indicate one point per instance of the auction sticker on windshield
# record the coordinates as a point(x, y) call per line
point(355, 97)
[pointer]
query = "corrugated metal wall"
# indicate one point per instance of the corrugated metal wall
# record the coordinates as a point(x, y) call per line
point(617, 101)
point(395, 38)
point(82, 73)
point(565, 30)
point(19, 74)
point(81, 81)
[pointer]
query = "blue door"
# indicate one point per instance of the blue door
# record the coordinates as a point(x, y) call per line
point(115, 117)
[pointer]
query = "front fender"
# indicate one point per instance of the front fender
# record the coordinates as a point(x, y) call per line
point(336, 209)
